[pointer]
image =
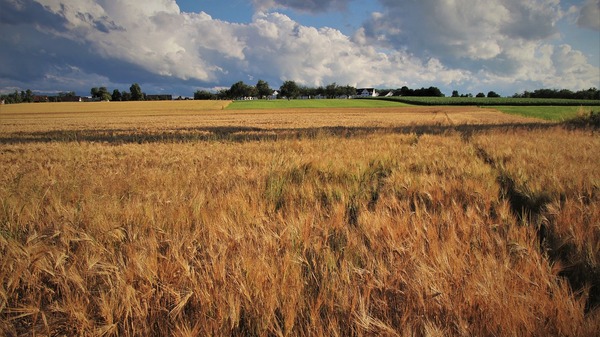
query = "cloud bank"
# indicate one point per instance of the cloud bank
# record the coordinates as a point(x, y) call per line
point(499, 44)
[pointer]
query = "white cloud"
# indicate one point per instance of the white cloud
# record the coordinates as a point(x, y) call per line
point(189, 46)
point(507, 40)
point(414, 43)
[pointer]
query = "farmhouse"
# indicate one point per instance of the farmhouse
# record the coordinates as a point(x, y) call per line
point(366, 92)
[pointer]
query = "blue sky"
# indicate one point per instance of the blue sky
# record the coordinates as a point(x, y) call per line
point(181, 46)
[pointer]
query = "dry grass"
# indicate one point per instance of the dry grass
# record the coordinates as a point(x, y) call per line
point(372, 233)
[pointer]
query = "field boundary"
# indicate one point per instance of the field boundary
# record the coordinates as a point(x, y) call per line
point(490, 101)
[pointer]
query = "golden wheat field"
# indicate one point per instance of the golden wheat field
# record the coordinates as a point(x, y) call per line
point(188, 219)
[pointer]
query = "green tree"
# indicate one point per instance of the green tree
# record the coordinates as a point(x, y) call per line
point(289, 89)
point(95, 92)
point(116, 95)
point(241, 89)
point(331, 90)
point(125, 96)
point(103, 94)
point(455, 93)
point(348, 90)
point(28, 97)
point(263, 89)
point(480, 95)
point(17, 97)
point(204, 95)
point(136, 92)
point(492, 94)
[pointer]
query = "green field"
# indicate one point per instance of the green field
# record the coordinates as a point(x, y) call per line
point(550, 113)
point(536, 108)
point(311, 103)
point(492, 101)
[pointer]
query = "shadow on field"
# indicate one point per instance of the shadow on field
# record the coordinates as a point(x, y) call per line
point(248, 134)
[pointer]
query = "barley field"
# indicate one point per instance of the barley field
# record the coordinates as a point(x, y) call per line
point(190, 219)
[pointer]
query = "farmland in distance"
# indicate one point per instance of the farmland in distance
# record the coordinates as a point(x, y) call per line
point(194, 218)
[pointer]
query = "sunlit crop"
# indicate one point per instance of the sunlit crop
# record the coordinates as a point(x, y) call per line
point(321, 223)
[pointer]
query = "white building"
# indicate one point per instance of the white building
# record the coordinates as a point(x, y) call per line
point(366, 92)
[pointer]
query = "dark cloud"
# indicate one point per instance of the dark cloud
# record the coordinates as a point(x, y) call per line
point(25, 12)
point(311, 6)
point(102, 24)
point(530, 21)
point(589, 16)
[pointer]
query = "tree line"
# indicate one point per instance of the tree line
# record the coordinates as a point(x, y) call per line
point(97, 93)
point(591, 93)
point(134, 94)
point(289, 89)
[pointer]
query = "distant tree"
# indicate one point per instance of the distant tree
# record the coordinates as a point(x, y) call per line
point(240, 90)
point(263, 89)
point(204, 95)
point(27, 96)
point(320, 91)
point(434, 92)
point(331, 90)
point(116, 95)
point(480, 95)
point(289, 89)
point(492, 94)
point(136, 92)
point(405, 91)
point(104, 95)
point(455, 93)
point(100, 94)
point(424, 92)
point(125, 96)
point(308, 91)
point(349, 90)
point(17, 98)
point(591, 93)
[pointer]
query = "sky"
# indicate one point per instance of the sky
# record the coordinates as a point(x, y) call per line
point(181, 46)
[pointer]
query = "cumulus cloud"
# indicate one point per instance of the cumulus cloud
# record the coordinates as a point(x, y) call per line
point(589, 16)
point(463, 28)
point(413, 43)
point(500, 39)
point(156, 40)
point(321, 56)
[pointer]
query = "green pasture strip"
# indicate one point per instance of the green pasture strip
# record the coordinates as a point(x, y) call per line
point(311, 103)
point(550, 113)
point(493, 101)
